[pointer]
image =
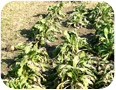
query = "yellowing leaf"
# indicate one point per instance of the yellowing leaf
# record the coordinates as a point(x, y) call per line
point(106, 32)
point(69, 74)
point(75, 61)
point(27, 49)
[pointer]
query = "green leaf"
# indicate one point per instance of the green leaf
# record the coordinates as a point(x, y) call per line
point(20, 71)
point(67, 35)
point(69, 74)
point(82, 54)
point(36, 46)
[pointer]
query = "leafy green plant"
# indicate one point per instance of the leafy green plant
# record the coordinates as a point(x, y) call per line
point(77, 74)
point(29, 67)
point(78, 17)
point(25, 75)
point(104, 39)
point(33, 53)
point(105, 74)
point(75, 68)
point(77, 20)
point(102, 11)
point(81, 8)
point(45, 30)
point(71, 45)
point(55, 12)
point(102, 19)
point(17, 83)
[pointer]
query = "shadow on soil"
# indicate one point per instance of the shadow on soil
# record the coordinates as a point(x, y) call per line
point(6, 65)
point(64, 23)
point(27, 34)
point(69, 12)
point(37, 15)
point(88, 37)
point(50, 49)
point(8, 61)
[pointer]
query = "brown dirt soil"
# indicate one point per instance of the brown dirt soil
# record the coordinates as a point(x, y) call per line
point(17, 18)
